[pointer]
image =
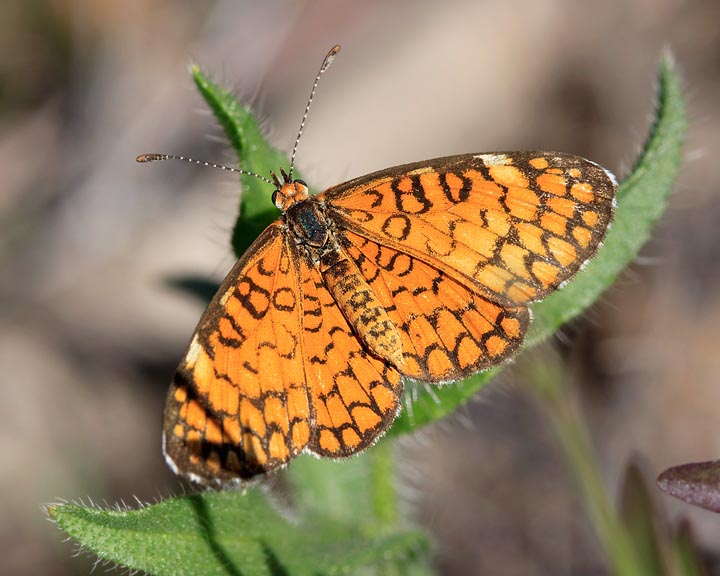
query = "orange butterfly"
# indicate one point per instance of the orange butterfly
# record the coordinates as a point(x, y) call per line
point(423, 271)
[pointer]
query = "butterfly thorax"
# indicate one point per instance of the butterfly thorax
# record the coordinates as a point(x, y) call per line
point(308, 224)
point(311, 229)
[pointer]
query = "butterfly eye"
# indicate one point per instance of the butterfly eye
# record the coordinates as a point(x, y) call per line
point(274, 197)
point(302, 182)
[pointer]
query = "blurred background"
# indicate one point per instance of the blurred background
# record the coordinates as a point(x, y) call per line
point(90, 333)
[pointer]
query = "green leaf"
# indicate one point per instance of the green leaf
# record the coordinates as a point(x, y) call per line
point(229, 533)
point(360, 490)
point(642, 198)
point(688, 554)
point(337, 489)
point(643, 523)
point(656, 547)
point(254, 155)
point(198, 287)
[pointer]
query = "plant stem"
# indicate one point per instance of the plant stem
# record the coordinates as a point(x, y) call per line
point(547, 384)
point(383, 490)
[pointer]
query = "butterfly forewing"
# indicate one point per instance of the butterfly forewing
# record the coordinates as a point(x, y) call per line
point(238, 405)
point(514, 225)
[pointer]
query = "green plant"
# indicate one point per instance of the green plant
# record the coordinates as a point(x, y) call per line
point(345, 515)
point(636, 538)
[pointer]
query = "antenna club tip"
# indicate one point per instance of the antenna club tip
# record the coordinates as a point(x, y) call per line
point(148, 157)
point(329, 58)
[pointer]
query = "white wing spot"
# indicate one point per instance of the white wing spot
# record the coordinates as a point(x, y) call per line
point(225, 297)
point(495, 159)
point(193, 351)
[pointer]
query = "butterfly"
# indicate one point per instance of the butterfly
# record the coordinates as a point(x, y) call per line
point(422, 272)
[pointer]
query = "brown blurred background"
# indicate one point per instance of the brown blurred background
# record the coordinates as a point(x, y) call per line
point(90, 334)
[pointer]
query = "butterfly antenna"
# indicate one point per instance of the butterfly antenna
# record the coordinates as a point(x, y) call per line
point(325, 65)
point(158, 157)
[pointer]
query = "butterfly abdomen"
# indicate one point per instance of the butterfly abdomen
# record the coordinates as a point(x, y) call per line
point(360, 306)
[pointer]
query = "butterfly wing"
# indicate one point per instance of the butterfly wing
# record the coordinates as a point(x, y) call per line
point(354, 395)
point(452, 248)
point(238, 405)
point(273, 368)
point(448, 329)
point(513, 225)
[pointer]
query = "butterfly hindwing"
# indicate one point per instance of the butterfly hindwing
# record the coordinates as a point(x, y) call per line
point(448, 329)
point(354, 395)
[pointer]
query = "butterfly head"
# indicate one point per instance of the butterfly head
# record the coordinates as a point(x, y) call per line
point(288, 192)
